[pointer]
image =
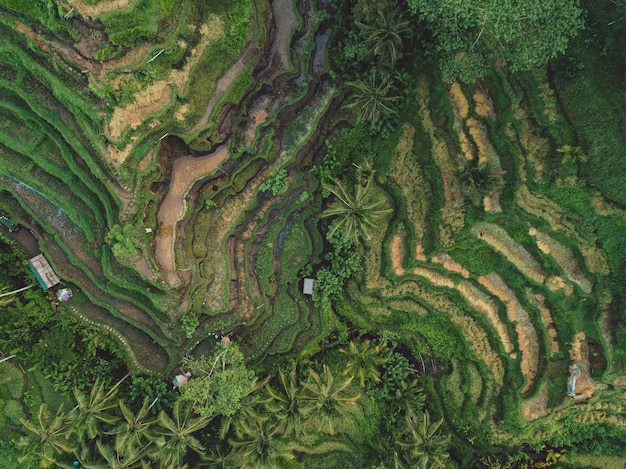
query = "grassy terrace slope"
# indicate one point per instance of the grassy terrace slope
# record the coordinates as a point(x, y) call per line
point(506, 296)
point(101, 108)
point(162, 155)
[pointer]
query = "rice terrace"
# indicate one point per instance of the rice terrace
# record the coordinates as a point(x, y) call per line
point(313, 234)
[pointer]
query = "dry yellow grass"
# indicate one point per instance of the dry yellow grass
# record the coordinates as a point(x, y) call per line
point(100, 8)
point(407, 175)
point(491, 203)
point(538, 301)
point(450, 264)
point(419, 253)
point(466, 146)
point(210, 32)
point(150, 101)
point(479, 136)
point(526, 334)
point(536, 150)
point(459, 100)
point(564, 257)
point(484, 104)
point(479, 344)
point(395, 250)
point(514, 252)
point(180, 113)
point(481, 302)
point(159, 95)
point(556, 283)
point(536, 407)
point(436, 279)
point(550, 106)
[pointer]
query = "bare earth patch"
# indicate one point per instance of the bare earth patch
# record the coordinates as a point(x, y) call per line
point(185, 172)
point(98, 9)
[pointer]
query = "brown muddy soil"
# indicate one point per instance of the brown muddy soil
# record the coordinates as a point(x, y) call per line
point(185, 172)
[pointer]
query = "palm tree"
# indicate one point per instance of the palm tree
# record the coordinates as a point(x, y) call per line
point(178, 433)
point(93, 410)
point(425, 447)
point(384, 36)
point(46, 440)
point(257, 444)
point(220, 459)
point(373, 99)
point(284, 405)
point(478, 180)
point(572, 154)
point(357, 213)
point(408, 395)
point(364, 361)
point(126, 458)
point(250, 408)
point(136, 431)
point(325, 400)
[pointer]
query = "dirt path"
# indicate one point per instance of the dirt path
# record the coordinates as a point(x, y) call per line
point(186, 171)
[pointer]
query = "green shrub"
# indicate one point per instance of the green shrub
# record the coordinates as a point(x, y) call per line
point(14, 385)
point(13, 411)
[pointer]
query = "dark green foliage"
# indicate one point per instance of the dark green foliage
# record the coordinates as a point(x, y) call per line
point(343, 263)
point(525, 35)
point(151, 387)
point(220, 382)
point(276, 184)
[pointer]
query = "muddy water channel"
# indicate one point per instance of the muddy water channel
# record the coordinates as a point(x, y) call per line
point(185, 172)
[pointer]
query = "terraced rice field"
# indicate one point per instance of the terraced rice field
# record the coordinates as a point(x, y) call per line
point(494, 296)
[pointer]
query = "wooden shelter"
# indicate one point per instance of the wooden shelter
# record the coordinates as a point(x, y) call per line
point(42, 269)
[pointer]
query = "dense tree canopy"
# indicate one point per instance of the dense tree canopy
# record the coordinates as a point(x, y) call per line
point(524, 33)
point(219, 382)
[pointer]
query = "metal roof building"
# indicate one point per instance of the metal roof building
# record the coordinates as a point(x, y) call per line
point(44, 274)
point(307, 288)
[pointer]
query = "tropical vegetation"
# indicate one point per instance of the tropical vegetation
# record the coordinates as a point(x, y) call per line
point(359, 233)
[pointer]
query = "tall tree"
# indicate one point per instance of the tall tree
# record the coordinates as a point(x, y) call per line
point(252, 407)
point(525, 34)
point(364, 361)
point(357, 213)
point(94, 410)
point(423, 445)
point(46, 440)
point(284, 403)
point(572, 154)
point(373, 99)
point(258, 446)
point(136, 430)
point(384, 36)
point(177, 431)
point(219, 382)
point(326, 401)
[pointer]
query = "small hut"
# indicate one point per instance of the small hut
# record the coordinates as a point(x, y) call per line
point(42, 269)
point(307, 288)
